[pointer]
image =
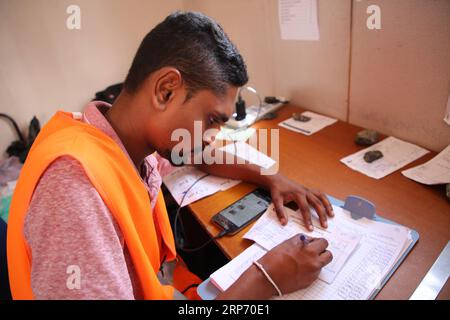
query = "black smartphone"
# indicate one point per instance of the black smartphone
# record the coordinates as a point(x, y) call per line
point(236, 216)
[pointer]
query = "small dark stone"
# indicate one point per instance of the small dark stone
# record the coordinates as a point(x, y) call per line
point(269, 116)
point(366, 137)
point(299, 117)
point(371, 156)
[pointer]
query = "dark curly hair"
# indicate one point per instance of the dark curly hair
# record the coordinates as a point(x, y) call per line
point(195, 45)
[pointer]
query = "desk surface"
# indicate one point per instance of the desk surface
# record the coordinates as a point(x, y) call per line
point(314, 162)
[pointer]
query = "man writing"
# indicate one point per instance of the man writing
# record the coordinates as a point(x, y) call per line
point(88, 220)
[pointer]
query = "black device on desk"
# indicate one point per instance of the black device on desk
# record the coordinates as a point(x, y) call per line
point(236, 216)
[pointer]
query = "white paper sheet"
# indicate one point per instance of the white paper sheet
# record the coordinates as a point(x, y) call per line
point(230, 134)
point(396, 154)
point(380, 247)
point(179, 181)
point(248, 153)
point(268, 233)
point(224, 277)
point(317, 122)
point(298, 19)
point(435, 171)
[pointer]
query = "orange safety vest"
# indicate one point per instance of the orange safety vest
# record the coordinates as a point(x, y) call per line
point(120, 187)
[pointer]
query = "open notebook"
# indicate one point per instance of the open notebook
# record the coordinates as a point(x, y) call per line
point(365, 251)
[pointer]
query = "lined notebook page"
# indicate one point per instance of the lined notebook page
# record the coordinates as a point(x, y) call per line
point(380, 248)
point(268, 233)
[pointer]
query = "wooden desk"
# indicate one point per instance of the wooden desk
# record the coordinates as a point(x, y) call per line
point(314, 162)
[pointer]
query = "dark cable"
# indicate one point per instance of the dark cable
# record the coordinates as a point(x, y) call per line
point(177, 243)
point(16, 127)
point(189, 287)
point(177, 214)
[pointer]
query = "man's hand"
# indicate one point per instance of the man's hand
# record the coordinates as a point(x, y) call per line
point(294, 265)
point(284, 190)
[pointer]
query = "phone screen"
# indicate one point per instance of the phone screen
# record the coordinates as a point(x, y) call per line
point(243, 211)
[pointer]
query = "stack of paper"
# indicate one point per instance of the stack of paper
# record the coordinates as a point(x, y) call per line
point(396, 154)
point(317, 122)
point(268, 233)
point(364, 251)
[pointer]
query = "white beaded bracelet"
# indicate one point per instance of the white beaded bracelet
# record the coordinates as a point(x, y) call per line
point(260, 267)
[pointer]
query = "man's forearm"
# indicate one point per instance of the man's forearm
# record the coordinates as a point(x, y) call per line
point(251, 285)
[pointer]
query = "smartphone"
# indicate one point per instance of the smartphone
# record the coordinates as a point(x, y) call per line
point(239, 214)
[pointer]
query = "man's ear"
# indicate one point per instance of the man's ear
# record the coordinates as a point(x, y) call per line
point(167, 80)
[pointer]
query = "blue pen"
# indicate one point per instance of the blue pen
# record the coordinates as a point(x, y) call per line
point(304, 239)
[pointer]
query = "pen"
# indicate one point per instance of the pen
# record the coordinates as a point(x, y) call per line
point(297, 128)
point(304, 239)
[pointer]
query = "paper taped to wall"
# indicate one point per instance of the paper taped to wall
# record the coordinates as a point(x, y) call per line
point(298, 19)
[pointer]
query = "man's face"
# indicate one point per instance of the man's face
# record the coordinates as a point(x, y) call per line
point(204, 107)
